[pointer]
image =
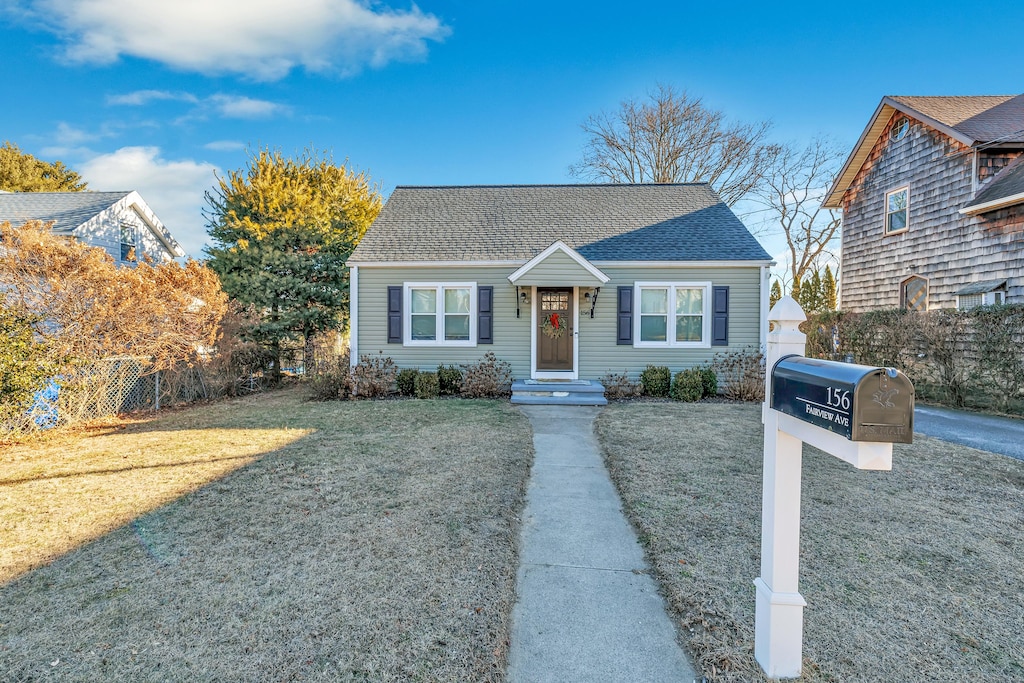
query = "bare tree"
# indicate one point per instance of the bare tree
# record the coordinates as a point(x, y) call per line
point(674, 138)
point(792, 194)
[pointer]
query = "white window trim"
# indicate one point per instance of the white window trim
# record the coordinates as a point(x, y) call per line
point(670, 342)
point(885, 211)
point(407, 288)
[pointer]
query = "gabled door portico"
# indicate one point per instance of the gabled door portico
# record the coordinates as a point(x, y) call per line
point(554, 278)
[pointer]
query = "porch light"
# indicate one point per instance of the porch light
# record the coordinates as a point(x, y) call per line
point(590, 297)
point(522, 297)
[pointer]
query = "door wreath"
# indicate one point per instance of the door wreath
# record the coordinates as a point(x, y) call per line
point(553, 327)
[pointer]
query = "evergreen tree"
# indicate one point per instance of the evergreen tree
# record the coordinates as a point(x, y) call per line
point(794, 290)
point(21, 172)
point(775, 294)
point(282, 230)
point(830, 300)
point(810, 293)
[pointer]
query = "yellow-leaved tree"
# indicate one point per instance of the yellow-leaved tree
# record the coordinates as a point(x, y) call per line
point(282, 230)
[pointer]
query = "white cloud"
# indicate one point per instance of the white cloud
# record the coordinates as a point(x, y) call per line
point(262, 39)
point(241, 107)
point(172, 188)
point(226, 106)
point(224, 145)
point(141, 97)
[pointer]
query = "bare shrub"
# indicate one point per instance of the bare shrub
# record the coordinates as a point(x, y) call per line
point(619, 386)
point(656, 380)
point(373, 376)
point(331, 382)
point(487, 378)
point(741, 374)
point(998, 334)
point(945, 334)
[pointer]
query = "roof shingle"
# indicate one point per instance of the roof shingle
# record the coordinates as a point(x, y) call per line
point(983, 118)
point(67, 210)
point(669, 222)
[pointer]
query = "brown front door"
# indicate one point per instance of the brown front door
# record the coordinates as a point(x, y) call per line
point(554, 329)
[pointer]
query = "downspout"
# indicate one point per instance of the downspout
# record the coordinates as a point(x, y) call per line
point(353, 315)
point(766, 276)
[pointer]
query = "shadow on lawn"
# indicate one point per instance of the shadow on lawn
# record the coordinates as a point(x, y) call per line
point(379, 546)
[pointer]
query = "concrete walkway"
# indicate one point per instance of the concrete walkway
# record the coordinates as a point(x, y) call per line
point(587, 610)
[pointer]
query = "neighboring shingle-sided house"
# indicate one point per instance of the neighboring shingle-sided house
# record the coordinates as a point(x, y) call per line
point(561, 281)
point(933, 205)
point(119, 222)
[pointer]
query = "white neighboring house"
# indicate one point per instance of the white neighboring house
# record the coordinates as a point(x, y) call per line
point(119, 222)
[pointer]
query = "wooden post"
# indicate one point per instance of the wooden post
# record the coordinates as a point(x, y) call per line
point(779, 619)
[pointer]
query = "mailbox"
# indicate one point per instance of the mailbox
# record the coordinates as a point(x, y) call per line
point(860, 402)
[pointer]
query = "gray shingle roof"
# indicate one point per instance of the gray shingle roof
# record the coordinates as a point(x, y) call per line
point(671, 222)
point(1007, 183)
point(67, 210)
point(983, 118)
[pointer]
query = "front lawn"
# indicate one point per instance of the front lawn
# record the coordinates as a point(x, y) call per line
point(909, 575)
point(266, 539)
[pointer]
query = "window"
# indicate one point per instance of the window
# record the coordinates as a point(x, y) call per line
point(128, 242)
point(896, 208)
point(966, 302)
point(899, 129)
point(914, 294)
point(673, 314)
point(440, 314)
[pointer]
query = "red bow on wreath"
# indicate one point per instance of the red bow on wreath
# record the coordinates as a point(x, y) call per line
point(554, 320)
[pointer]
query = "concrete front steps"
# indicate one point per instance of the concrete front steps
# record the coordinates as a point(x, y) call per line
point(577, 392)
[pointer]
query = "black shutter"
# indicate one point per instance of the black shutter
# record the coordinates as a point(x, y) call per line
point(720, 316)
point(625, 316)
point(485, 317)
point(394, 315)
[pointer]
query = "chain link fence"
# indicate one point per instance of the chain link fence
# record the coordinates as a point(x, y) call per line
point(124, 384)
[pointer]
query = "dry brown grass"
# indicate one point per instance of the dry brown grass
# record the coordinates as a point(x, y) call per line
point(909, 575)
point(267, 538)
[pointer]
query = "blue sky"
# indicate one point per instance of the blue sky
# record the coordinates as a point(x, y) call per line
point(158, 96)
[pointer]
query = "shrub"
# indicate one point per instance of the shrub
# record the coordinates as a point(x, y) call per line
point(488, 377)
point(619, 385)
point(373, 376)
point(709, 380)
point(332, 381)
point(405, 381)
point(656, 381)
point(427, 385)
point(24, 367)
point(742, 373)
point(688, 385)
point(449, 380)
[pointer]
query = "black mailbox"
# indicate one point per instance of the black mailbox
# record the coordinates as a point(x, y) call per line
point(860, 402)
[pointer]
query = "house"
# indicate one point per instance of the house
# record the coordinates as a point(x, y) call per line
point(933, 205)
point(119, 222)
point(565, 282)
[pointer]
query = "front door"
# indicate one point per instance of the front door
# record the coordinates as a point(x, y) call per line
point(554, 329)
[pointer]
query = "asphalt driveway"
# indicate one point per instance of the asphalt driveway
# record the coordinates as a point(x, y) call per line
point(992, 433)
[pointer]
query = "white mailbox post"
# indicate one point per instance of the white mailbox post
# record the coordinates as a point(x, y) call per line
point(829, 421)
